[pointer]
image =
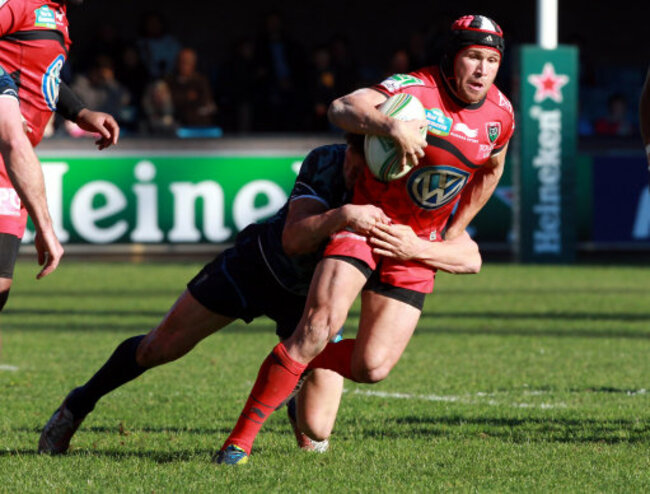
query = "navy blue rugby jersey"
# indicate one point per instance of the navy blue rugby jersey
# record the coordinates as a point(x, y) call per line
point(320, 178)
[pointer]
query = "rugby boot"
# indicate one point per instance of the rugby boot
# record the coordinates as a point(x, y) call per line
point(56, 435)
point(305, 442)
point(231, 455)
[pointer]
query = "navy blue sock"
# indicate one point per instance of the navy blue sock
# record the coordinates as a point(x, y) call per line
point(119, 369)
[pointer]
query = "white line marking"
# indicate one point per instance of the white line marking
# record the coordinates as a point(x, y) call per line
point(8, 368)
point(467, 399)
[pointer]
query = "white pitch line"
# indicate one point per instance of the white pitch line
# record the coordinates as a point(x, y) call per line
point(468, 399)
point(8, 368)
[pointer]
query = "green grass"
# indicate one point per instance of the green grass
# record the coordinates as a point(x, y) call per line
point(520, 379)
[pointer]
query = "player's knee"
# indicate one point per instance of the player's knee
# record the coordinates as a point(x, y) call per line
point(372, 375)
point(4, 296)
point(315, 333)
point(318, 431)
point(157, 348)
point(372, 371)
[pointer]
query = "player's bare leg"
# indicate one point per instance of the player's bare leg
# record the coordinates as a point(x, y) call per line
point(385, 328)
point(328, 302)
point(187, 323)
point(5, 286)
point(316, 408)
point(335, 286)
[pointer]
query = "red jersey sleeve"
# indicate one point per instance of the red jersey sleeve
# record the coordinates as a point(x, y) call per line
point(507, 122)
point(398, 82)
point(9, 16)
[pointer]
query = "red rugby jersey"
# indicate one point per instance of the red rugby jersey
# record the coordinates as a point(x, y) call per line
point(461, 137)
point(34, 44)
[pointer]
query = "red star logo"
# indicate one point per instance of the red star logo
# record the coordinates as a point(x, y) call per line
point(548, 84)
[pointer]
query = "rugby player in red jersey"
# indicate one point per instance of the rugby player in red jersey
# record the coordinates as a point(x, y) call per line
point(469, 123)
point(267, 272)
point(34, 44)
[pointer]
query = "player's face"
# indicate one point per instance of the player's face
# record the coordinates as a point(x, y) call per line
point(475, 69)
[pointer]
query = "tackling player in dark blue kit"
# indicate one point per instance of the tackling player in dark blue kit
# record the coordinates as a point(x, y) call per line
point(267, 272)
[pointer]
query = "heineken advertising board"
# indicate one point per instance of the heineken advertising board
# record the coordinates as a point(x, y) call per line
point(545, 225)
point(180, 199)
point(117, 199)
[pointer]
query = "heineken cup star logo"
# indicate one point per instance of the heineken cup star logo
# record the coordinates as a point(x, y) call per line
point(548, 84)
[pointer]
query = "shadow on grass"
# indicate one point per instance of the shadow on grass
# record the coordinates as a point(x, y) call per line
point(429, 314)
point(516, 430)
point(154, 455)
point(267, 326)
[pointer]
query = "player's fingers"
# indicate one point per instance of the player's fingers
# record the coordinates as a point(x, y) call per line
point(383, 252)
point(114, 129)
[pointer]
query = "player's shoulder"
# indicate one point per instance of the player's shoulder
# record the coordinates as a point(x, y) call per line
point(322, 159)
point(499, 102)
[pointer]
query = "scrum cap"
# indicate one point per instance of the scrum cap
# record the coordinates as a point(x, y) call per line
point(475, 30)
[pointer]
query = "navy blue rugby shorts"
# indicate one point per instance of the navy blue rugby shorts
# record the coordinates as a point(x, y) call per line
point(9, 247)
point(238, 284)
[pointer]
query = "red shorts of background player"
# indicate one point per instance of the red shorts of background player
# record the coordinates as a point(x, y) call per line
point(411, 275)
point(13, 215)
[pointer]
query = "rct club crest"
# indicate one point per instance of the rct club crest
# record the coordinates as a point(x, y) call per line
point(434, 186)
point(493, 130)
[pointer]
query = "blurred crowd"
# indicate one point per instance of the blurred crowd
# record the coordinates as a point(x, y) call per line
point(155, 85)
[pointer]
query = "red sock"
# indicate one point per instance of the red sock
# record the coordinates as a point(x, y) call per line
point(276, 379)
point(336, 357)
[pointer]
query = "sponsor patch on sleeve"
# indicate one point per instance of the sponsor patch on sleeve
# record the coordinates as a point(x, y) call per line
point(399, 81)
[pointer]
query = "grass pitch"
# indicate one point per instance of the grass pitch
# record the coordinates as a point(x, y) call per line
point(518, 379)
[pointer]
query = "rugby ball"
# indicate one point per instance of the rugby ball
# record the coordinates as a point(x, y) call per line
point(381, 154)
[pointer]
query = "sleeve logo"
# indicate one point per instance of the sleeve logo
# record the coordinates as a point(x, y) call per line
point(400, 81)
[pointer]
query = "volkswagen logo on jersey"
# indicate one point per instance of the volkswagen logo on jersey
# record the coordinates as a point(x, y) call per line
point(51, 81)
point(432, 187)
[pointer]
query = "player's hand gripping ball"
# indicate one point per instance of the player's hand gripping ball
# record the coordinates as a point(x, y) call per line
point(382, 156)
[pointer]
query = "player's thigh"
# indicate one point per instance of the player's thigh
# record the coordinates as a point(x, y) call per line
point(318, 403)
point(385, 328)
point(187, 323)
point(5, 284)
point(334, 287)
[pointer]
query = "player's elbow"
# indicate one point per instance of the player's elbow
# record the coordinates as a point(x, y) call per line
point(474, 263)
point(335, 110)
point(12, 141)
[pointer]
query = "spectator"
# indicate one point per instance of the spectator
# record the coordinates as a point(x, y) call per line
point(281, 68)
point(131, 72)
point(157, 48)
point(344, 64)
point(101, 91)
point(158, 110)
point(191, 94)
point(617, 121)
point(240, 92)
point(398, 63)
point(322, 89)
